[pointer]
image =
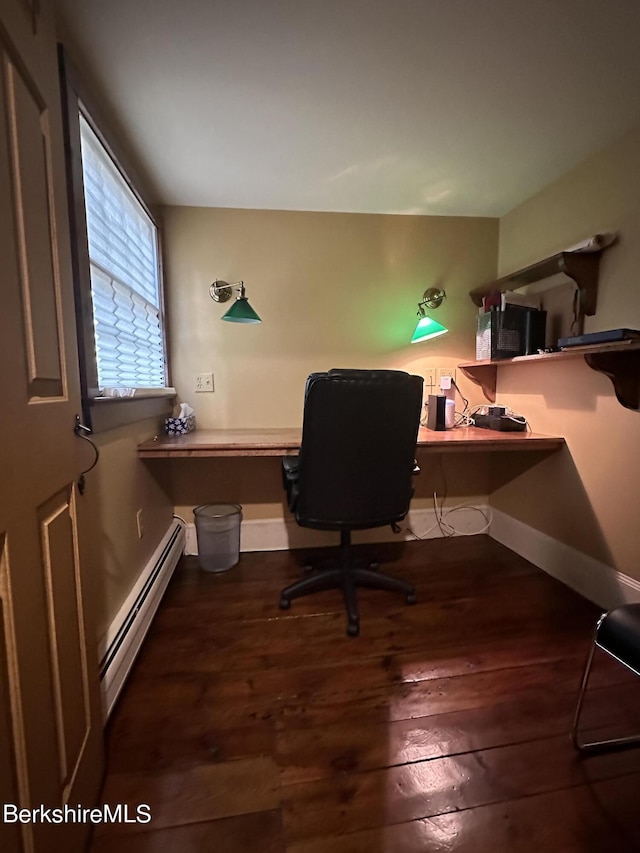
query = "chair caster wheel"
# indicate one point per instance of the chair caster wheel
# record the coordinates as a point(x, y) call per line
point(412, 598)
point(285, 604)
point(353, 629)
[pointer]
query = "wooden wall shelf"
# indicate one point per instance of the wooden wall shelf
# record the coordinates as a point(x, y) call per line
point(619, 361)
point(582, 267)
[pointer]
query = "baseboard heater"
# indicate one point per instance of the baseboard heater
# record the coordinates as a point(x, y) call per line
point(129, 628)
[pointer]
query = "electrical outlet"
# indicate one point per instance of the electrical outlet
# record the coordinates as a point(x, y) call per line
point(203, 383)
point(430, 377)
point(447, 371)
point(140, 524)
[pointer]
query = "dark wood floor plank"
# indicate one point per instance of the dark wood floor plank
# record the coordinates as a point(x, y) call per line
point(339, 805)
point(444, 726)
point(366, 673)
point(201, 793)
point(595, 819)
point(533, 606)
point(228, 835)
point(235, 704)
point(440, 696)
point(309, 754)
point(472, 556)
point(161, 742)
point(258, 599)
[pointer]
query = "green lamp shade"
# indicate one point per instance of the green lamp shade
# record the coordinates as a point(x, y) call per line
point(241, 312)
point(427, 329)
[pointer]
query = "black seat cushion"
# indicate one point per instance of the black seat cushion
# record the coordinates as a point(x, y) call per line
point(619, 634)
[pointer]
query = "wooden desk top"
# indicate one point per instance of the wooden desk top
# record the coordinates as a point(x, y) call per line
point(280, 442)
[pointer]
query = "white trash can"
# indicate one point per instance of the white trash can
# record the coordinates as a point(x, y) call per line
point(218, 534)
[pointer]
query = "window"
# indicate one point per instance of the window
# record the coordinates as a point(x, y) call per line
point(116, 267)
point(123, 262)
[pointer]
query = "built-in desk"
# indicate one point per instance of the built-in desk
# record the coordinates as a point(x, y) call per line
point(280, 442)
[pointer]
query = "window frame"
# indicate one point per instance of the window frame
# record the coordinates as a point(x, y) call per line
point(101, 413)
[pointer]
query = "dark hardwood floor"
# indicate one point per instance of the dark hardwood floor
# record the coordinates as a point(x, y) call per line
point(443, 727)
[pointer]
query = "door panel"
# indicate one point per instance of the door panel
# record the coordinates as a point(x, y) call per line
point(10, 835)
point(69, 667)
point(26, 119)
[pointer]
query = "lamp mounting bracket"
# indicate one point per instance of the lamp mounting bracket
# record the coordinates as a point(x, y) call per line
point(220, 291)
point(432, 297)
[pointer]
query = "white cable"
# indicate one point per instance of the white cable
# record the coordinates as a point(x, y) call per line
point(439, 517)
point(464, 419)
point(448, 530)
point(507, 409)
point(508, 413)
point(487, 519)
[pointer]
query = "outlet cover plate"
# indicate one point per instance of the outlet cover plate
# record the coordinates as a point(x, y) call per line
point(203, 383)
point(447, 371)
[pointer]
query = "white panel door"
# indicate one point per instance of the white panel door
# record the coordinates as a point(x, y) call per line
point(50, 727)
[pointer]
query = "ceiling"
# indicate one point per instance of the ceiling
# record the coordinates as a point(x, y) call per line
point(450, 107)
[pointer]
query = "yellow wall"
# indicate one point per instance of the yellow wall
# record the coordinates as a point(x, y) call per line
point(117, 488)
point(587, 498)
point(333, 290)
point(340, 290)
point(120, 484)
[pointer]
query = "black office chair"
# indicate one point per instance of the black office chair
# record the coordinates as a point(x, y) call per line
point(354, 471)
point(618, 634)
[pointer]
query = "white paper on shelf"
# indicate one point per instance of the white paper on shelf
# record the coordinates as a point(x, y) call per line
point(528, 300)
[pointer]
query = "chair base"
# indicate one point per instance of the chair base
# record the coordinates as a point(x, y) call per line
point(598, 745)
point(347, 575)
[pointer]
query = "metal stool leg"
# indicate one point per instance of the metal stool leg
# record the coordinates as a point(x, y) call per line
point(583, 688)
point(599, 745)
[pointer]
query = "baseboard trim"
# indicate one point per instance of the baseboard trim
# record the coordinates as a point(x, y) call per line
point(282, 534)
point(128, 629)
point(591, 578)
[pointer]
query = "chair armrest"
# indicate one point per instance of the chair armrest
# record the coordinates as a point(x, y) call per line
point(290, 467)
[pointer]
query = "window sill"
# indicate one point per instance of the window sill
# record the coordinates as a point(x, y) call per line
point(112, 412)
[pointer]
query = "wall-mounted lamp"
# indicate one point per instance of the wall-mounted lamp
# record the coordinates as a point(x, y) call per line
point(428, 328)
point(240, 311)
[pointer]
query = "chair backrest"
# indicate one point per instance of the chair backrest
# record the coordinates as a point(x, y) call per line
point(358, 447)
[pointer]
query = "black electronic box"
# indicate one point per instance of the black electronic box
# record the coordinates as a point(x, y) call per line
point(497, 418)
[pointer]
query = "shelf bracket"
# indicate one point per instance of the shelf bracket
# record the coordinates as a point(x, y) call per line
point(623, 369)
point(484, 375)
point(583, 269)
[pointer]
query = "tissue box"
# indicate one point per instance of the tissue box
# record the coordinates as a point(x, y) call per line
point(180, 426)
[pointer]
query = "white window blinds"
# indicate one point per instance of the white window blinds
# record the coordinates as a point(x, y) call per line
point(123, 255)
